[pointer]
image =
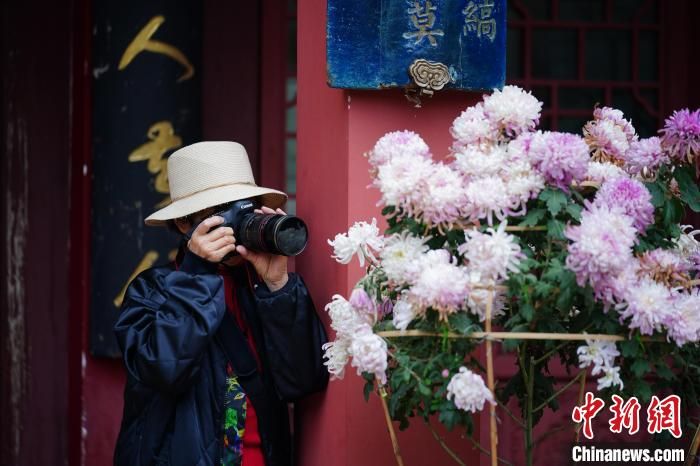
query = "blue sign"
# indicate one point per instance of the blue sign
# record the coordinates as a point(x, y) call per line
point(372, 43)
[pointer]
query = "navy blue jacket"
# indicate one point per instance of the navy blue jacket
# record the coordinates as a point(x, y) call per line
point(171, 332)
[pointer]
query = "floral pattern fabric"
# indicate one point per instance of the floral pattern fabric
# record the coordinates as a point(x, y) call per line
point(235, 407)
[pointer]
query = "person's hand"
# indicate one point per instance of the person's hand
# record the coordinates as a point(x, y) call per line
point(271, 268)
point(212, 245)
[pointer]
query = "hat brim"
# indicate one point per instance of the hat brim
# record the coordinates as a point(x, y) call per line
point(212, 197)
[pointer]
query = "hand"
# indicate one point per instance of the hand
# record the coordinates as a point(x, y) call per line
point(212, 245)
point(271, 268)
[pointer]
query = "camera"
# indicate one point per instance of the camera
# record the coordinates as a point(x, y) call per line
point(285, 235)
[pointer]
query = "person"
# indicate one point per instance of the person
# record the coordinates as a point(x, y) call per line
point(214, 350)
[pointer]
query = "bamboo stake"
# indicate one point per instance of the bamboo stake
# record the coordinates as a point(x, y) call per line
point(693, 452)
point(525, 228)
point(390, 426)
point(581, 391)
point(491, 384)
point(513, 335)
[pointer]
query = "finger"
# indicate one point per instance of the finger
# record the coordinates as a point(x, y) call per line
point(247, 254)
point(207, 224)
point(218, 233)
point(258, 211)
point(221, 253)
point(267, 210)
point(280, 211)
point(221, 242)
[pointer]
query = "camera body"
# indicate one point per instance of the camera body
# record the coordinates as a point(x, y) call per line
point(285, 235)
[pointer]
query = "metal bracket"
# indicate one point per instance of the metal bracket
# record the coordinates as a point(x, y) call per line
point(428, 77)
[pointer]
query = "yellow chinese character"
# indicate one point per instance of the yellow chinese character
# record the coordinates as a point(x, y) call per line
point(163, 139)
point(423, 20)
point(143, 41)
point(478, 18)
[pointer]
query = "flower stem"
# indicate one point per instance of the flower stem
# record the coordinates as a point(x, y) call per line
point(560, 391)
point(529, 446)
point(447, 449)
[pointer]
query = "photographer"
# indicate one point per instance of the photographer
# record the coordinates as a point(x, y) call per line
point(219, 342)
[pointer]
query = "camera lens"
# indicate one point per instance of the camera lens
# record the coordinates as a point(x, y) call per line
point(277, 234)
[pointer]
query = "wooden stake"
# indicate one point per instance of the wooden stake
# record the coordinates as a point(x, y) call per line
point(390, 426)
point(693, 452)
point(514, 335)
point(491, 384)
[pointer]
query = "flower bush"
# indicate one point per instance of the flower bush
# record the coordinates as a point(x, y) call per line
point(549, 231)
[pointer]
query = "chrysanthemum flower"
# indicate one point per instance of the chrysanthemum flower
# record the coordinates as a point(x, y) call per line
point(645, 153)
point(607, 141)
point(398, 178)
point(473, 162)
point(599, 354)
point(363, 304)
point(403, 313)
point(610, 378)
point(681, 135)
point(439, 198)
point(560, 157)
point(684, 322)
point(631, 197)
point(488, 198)
point(362, 239)
point(336, 357)
point(345, 320)
point(397, 144)
point(616, 117)
point(492, 254)
point(647, 306)
point(440, 285)
point(369, 354)
point(468, 391)
point(600, 172)
point(400, 257)
point(472, 128)
point(665, 266)
point(512, 110)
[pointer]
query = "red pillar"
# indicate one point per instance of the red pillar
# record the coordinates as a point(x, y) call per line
point(335, 127)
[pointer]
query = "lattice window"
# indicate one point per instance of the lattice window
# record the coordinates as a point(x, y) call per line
point(290, 169)
point(574, 54)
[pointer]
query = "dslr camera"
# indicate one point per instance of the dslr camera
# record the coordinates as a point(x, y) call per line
point(285, 235)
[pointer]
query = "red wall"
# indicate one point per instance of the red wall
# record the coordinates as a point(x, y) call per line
point(335, 128)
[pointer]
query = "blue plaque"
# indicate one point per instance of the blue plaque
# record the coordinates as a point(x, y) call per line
point(371, 44)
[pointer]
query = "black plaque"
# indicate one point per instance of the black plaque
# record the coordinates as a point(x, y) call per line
point(146, 103)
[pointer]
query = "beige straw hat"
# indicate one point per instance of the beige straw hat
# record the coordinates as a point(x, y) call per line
point(207, 174)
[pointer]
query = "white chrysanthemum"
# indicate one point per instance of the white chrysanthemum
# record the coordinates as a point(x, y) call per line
point(474, 162)
point(398, 178)
point(492, 254)
point(522, 181)
point(684, 323)
point(512, 110)
point(688, 247)
point(369, 354)
point(610, 378)
point(403, 313)
point(345, 320)
point(600, 172)
point(473, 128)
point(600, 354)
point(468, 391)
point(648, 305)
point(362, 239)
point(397, 144)
point(440, 198)
point(336, 357)
point(441, 286)
point(488, 197)
point(400, 257)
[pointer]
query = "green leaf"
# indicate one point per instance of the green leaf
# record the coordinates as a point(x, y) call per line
point(640, 367)
point(448, 418)
point(673, 212)
point(533, 217)
point(555, 200)
point(574, 210)
point(369, 386)
point(629, 348)
point(658, 198)
point(555, 229)
point(461, 323)
point(690, 193)
point(527, 311)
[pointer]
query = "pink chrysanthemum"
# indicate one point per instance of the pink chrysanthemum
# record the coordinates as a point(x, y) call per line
point(472, 128)
point(607, 141)
point(468, 391)
point(601, 248)
point(512, 110)
point(396, 144)
point(492, 254)
point(644, 153)
point(631, 197)
point(398, 178)
point(681, 135)
point(488, 197)
point(600, 172)
point(560, 157)
point(616, 117)
point(664, 266)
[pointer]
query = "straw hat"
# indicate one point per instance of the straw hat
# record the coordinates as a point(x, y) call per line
point(207, 174)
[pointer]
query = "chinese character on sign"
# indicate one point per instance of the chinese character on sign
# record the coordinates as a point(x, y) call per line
point(664, 415)
point(625, 414)
point(478, 17)
point(423, 20)
point(587, 412)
